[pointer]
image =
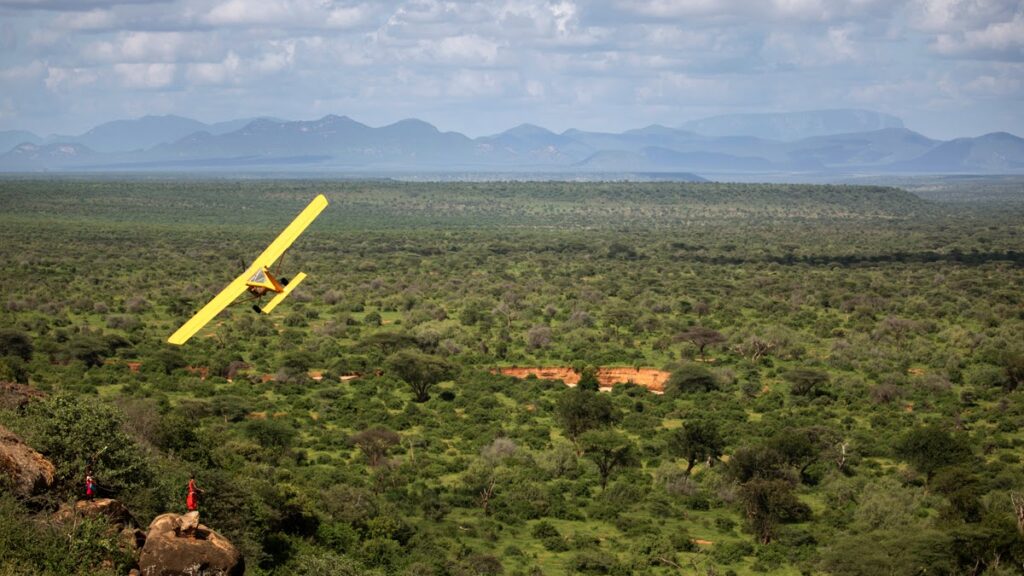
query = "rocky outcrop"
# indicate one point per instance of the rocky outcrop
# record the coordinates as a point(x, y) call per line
point(607, 376)
point(14, 396)
point(113, 510)
point(29, 472)
point(178, 545)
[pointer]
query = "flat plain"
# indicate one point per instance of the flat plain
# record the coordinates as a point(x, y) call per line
point(846, 365)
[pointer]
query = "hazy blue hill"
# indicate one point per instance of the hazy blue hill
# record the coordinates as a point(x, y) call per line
point(11, 138)
point(341, 143)
point(142, 133)
point(794, 125)
point(232, 125)
point(336, 140)
point(534, 144)
point(878, 147)
point(265, 137)
point(681, 141)
point(636, 140)
point(138, 134)
point(32, 157)
point(994, 152)
point(415, 142)
point(655, 159)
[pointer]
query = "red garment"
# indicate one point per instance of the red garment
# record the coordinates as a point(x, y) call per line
point(192, 502)
point(88, 487)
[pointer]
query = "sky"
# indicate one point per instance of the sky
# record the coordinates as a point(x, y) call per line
point(948, 68)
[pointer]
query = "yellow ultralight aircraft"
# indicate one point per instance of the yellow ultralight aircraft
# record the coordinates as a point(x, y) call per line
point(257, 280)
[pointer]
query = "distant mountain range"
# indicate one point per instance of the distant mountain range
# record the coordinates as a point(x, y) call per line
point(794, 125)
point(850, 142)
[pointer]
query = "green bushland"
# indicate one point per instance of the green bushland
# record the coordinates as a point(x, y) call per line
point(845, 394)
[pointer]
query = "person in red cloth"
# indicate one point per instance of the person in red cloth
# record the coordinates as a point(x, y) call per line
point(192, 500)
point(90, 486)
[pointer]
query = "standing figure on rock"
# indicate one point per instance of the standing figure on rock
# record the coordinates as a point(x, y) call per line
point(192, 501)
point(90, 485)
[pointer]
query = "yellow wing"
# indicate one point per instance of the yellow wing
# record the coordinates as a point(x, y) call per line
point(237, 286)
point(286, 238)
point(212, 308)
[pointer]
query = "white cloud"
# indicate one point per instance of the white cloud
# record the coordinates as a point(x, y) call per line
point(993, 86)
point(535, 89)
point(98, 19)
point(477, 83)
point(677, 9)
point(45, 39)
point(165, 47)
point(146, 75)
point(466, 49)
point(70, 5)
point(563, 13)
point(152, 46)
point(287, 14)
point(464, 62)
point(537, 18)
point(59, 79)
point(215, 73)
point(669, 87)
point(280, 57)
point(237, 12)
point(788, 51)
point(31, 71)
point(777, 11)
point(347, 17)
point(996, 40)
point(955, 15)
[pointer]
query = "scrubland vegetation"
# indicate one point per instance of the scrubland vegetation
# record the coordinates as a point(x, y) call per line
point(845, 395)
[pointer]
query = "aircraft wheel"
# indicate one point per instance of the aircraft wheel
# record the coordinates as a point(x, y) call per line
point(256, 308)
point(284, 281)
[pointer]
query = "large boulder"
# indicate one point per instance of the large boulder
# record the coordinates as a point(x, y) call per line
point(29, 472)
point(178, 545)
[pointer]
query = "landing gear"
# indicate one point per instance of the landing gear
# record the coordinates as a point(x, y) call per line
point(256, 308)
point(284, 281)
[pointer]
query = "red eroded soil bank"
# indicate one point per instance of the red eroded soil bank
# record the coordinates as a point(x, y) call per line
point(653, 380)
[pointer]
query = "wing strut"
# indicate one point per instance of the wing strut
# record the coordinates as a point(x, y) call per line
point(237, 287)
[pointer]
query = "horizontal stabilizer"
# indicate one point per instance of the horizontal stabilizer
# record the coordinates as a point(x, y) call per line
point(282, 295)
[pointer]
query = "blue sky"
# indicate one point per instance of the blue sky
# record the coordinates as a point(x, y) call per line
point(947, 67)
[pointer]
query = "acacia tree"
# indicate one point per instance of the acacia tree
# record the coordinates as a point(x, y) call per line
point(696, 440)
point(420, 371)
point(1013, 366)
point(375, 443)
point(803, 447)
point(609, 450)
point(690, 378)
point(579, 410)
point(15, 343)
point(488, 475)
point(768, 503)
point(701, 337)
point(931, 448)
point(807, 382)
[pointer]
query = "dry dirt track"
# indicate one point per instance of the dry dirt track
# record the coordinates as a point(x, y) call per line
point(653, 380)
